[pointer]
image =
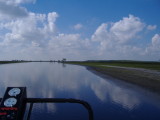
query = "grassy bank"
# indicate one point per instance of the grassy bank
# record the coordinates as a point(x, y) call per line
point(146, 79)
point(133, 64)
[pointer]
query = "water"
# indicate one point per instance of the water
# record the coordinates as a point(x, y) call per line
point(110, 99)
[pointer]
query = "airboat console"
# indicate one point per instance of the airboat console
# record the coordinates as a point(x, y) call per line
point(13, 104)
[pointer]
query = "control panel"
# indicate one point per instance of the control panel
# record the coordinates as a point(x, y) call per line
point(12, 106)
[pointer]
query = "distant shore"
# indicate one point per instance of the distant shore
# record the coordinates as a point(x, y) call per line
point(8, 62)
point(144, 74)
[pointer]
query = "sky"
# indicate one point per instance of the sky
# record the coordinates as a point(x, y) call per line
point(80, 29)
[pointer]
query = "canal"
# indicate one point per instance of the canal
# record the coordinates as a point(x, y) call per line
point(110, 99)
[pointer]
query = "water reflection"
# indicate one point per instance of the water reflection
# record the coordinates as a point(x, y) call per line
point(106, 90)
point(107, 97)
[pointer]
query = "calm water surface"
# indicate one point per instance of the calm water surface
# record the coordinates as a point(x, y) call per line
point(110, 99)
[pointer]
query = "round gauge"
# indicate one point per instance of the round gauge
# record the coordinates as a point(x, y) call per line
point(14, 91)
point(10, 102)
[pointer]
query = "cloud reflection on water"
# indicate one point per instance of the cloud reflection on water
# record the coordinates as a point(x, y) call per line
point(46, 81)
point(107, 91)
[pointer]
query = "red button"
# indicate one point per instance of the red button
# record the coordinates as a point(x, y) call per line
point(9, 108)
point(3, 113)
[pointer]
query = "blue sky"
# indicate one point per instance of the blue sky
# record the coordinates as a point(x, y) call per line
point(80, 29)
point(97, 11)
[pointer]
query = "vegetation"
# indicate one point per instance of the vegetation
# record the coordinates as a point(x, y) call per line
point(20, 61)
point(134, 64)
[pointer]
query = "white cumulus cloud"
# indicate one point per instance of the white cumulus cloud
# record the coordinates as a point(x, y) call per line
point(27, 34)
point(18, 1)
point(114, 38)
point(155, 45)
point(156, 40)
point(51, 21)
point(8, 11)
point(127, 28)
point(151, 27)
point(153, 50)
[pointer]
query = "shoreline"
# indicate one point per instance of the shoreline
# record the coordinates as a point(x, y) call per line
point(141, 76)
point(143, 79)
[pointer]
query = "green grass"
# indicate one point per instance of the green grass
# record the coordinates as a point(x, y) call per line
point(134, 64)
